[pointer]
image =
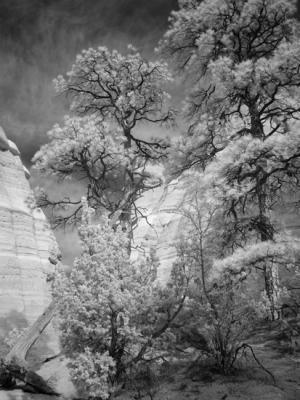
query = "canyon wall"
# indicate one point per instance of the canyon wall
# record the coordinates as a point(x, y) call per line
point(163, 223)
point(161, 226)
point(26, 243)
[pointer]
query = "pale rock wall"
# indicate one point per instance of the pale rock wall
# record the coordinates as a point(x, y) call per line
point(162, 227)
point(164, 224)
point(26, 242)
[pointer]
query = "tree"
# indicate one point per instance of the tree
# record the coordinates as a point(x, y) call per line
point(223, 308)
point(110, 96)
point(112, 311)
point(242, 57)
point(220, 311)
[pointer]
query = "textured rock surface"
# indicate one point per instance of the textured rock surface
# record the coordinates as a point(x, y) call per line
point(161, 229)
point(25, 244)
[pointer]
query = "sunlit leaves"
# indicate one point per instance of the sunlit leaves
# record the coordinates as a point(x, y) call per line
point(109, 95)
point(103, 306)
point(125, 89)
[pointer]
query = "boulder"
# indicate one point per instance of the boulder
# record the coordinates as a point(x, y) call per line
point(56, 372)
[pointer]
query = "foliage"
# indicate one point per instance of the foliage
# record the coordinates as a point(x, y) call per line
point(85, 148)
point(220, 310)
point(113, 313)
point(124, 88)
point(228, 319)
point(225, 301)
point(218, 316)
point(241, 58)
point(144, 380)
point(110, 96)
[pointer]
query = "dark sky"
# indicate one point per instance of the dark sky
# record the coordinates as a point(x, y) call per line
point(39, 39)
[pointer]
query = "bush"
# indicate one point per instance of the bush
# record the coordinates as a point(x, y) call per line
point(229, 316)
point(219, 313)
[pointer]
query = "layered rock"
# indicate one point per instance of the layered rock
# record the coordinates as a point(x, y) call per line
point(26, 242)
point(161, 227)
point(163, 223)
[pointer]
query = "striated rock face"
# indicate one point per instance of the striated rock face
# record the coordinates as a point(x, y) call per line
point(163, 224)
point(162, 227)
point(26, 242)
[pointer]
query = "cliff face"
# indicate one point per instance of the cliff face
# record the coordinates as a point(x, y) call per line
point(163, 224)
point(161, 228)
point(26, 242)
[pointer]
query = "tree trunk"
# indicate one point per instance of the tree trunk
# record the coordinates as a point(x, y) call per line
point(26, 341)
point(264, 228)
point(126, 216)
point(32, 381)
point(15, 367)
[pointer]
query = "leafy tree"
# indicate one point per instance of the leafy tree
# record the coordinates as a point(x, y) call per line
point(223, 308)
point(110, 96)
point(242, 58)
point(220, 312)
point(113, 313)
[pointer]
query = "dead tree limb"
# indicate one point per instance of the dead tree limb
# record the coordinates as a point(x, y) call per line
point(14, 367)
point(32, 382)
point(27, 340)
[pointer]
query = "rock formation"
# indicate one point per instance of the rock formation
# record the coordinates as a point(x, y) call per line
point(26, 242)
point(161, 228)
point(163, 222)
point(27, 245)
